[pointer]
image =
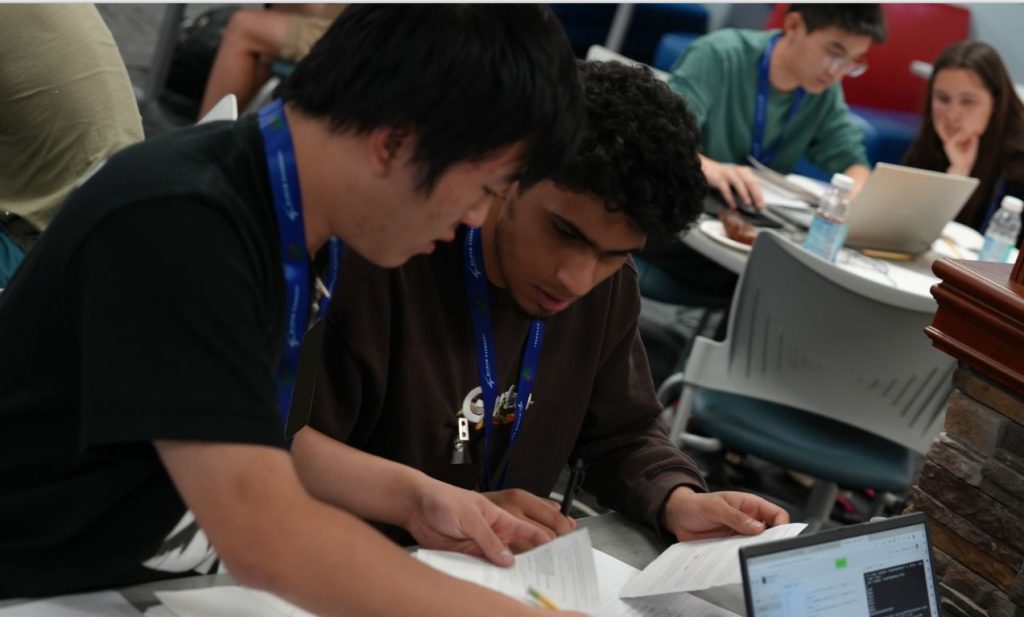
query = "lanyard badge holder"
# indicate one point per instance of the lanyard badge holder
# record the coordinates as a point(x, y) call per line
point(478, 297)
point(284, 186)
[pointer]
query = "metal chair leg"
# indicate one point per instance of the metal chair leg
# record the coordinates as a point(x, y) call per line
point(819, 504)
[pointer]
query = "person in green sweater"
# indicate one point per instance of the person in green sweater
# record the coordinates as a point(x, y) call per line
point(776, 95)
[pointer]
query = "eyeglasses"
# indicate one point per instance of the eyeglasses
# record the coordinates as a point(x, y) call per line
point(837, 63)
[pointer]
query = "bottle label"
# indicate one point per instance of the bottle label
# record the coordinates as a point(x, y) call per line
point(825, 237)
point(995, 249)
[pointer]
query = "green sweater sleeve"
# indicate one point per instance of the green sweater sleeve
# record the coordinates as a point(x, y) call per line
point(838, 142)
point(696, 76)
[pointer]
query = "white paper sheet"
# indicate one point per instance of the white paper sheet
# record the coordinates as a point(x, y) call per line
point(912, 277)
point(774, 196)
point(227, 601)
point(815, 187)
point(562, 569)
point(610, 577)
point(792, 185)
point(613, 575)
point(99, 604)
point(691, 566)
point(727, 597)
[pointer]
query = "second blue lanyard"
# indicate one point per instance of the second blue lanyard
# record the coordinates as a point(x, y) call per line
point(757, 147)
point(478, 296)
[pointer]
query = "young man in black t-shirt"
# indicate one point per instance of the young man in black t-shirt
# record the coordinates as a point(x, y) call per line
point(143, 336)
point(400, 368)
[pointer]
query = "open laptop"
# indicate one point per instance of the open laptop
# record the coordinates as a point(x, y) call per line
point(904, 209)
point(882, 568)
point(900, 209)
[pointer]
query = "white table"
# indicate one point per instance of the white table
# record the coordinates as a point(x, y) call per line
point(611, 533)
point(911, 280)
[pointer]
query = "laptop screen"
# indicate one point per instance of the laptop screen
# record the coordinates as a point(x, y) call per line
point(875, 569)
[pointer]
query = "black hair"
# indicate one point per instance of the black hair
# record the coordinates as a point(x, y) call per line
point(639, 150)
point(863, 19)
point(469, 80)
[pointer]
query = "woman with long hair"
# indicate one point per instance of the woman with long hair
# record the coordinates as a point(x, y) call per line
point(973, 125)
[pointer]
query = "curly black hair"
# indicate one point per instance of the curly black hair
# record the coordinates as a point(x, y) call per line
point(639, 150)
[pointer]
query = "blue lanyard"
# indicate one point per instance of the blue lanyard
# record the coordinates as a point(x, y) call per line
point(284, 185)
point(761, 109)
point(479, 300)
point(334, 266)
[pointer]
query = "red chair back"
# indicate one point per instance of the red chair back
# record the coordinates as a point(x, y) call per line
point(888, 84)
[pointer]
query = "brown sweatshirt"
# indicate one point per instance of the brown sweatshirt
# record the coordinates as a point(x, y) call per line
point(398, 360)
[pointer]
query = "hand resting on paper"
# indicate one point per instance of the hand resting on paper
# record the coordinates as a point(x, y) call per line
point(453, 519)
point(539, 512)
point(689, 515)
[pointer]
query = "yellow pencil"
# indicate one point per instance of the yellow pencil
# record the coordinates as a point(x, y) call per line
point(544, 600)
point(890, 255)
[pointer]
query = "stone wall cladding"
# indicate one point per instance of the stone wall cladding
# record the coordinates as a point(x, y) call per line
point(972, 488)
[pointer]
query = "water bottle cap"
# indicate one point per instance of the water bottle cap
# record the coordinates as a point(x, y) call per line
point(1013, 204)
point(842, 182)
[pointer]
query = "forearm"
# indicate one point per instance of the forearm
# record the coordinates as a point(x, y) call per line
point(329, 469)
point(273, 535)
point(645, 502)
point(860, 175)
point(347, 568)
point(632, 464)
point(635, 474)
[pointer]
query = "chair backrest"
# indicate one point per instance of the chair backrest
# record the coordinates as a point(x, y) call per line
point(225, 109)
point(671, 46)
point(807, 334)
point(600, 53)
point(888, 83)
point(587, 24)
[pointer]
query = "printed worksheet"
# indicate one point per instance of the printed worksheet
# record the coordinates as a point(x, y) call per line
point(563, 570)
point(702, 564)
point(613, 575)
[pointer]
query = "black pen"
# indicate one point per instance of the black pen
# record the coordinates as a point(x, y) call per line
point(575, 480)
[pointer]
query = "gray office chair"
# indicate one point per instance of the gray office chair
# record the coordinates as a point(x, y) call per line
point(599, 53)
point(822, 372)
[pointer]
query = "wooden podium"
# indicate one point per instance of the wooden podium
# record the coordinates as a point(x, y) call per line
point(972, 483)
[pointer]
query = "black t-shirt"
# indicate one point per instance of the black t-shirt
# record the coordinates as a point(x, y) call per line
point(152, 308)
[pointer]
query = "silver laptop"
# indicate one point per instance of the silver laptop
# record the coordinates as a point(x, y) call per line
point(904, 209)
point(867, 570)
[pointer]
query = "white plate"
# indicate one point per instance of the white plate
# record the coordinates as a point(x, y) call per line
point(714, 230)
point(958, 242)
point(963, 236)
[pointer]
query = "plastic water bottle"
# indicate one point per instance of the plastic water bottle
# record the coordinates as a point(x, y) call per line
point(828, 230)
point(1002, 230)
